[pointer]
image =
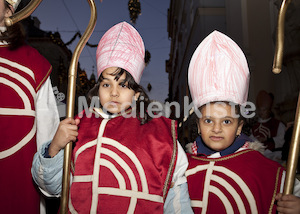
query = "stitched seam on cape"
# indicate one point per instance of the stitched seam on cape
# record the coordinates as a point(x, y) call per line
point(72, 167)
point(275, 190)
point(172, 159)
point(224, 158)
point(45, 77)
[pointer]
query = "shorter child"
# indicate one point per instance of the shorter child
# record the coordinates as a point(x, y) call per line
point(225, 173)
point(123, 162)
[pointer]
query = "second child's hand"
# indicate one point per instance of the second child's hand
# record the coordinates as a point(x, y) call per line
point(67, 131)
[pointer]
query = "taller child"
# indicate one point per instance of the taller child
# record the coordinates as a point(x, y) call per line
point(123, 163)
point(226, 174)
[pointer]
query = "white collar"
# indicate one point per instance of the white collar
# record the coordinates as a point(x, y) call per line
point(218, 155)
point(103, 114)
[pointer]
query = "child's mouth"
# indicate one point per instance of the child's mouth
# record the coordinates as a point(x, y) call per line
point(114, 103)
point(216, 138)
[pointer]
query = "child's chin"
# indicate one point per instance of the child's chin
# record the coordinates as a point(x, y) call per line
point(111, 110)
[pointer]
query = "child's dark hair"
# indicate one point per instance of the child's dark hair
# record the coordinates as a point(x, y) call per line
point(14, 35)
point(143, 97)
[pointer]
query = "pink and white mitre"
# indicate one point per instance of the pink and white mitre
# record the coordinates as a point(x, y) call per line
point(218, 71)
point(122, 46)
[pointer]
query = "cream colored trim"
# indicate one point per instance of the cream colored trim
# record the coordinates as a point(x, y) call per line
point(133, 158)
point(84, 147)
point(224, 199)
point(196, 203)
point(195, 170)
point(27, 111)
point(275, 189)
point(18, 66)
point(172, 162)
point(97, 167)
point(209, 172)
point(11, 111)
point(124, 166)
point(71, 208)
point(18, 146)
point(27, 106)
point(242, 185)
point(115, 171)
point(82, 178)
point(130, 193)
point(130, 174)
point(210, 168)
point(19, 91)
point(233, 193)
point(134, 192)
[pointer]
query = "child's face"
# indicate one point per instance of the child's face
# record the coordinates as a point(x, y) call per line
point(115, 96)
point(218, 126)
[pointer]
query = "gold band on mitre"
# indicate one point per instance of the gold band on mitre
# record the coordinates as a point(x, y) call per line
point(13, 3)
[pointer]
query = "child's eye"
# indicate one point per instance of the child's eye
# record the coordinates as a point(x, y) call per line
point(105, 85)
point(123, 85)
point(226, 121)
point(207, 121)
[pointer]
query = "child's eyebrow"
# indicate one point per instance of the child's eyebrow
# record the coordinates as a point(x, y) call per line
point(211, 117)
point(230, 117)
point(122, 81)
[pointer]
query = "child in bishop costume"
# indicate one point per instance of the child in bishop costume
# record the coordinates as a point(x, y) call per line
point(122, 163)
point(226, 173)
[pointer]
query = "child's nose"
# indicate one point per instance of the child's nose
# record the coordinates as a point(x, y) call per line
point(217, 128)
point(114, 92)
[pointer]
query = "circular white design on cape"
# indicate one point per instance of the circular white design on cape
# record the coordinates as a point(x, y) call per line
point(209, 188)
point(27, 110)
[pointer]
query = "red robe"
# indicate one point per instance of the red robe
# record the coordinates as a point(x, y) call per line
point(22, 72)
point(122, 166)
point(243, 182)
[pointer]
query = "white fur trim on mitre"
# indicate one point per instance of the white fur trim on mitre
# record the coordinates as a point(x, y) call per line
point(218, 71)
point(122, 46)
point(13, 3)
